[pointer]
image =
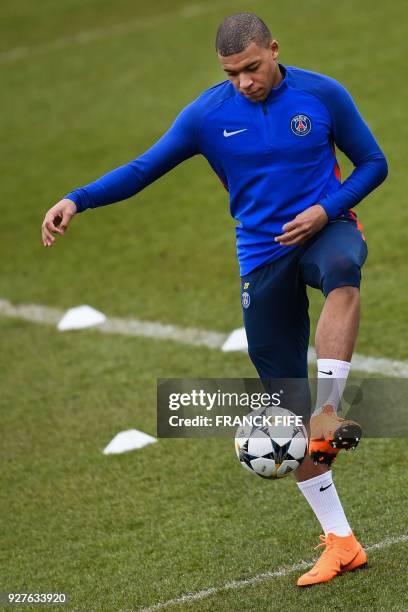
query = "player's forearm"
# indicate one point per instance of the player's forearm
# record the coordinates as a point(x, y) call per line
point(117, 185)
point(365, 178)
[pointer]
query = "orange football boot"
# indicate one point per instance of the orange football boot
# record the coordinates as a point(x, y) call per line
point(342, 554)
point(329, 434)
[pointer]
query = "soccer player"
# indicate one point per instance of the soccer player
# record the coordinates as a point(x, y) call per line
point(269, 132)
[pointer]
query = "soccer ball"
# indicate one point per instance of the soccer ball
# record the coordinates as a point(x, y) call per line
point(271, 451)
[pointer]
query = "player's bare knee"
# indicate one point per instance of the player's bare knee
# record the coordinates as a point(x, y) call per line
point(342, 276)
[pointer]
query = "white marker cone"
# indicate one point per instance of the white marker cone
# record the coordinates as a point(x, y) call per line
point(128, 440)
point(81, 317)
point(236, 341)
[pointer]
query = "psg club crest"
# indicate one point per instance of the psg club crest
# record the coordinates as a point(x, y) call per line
point(246, 299)
point(301, 125)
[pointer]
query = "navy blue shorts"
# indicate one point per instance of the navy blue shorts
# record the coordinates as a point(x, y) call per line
point(275, 303)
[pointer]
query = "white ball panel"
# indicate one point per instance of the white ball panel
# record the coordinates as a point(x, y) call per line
point(265, 467)
point(259, 444)
point(298, 447)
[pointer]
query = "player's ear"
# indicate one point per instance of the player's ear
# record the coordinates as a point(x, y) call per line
point(274, 47)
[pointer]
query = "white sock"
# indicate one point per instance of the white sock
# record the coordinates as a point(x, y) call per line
point(326, 504)
point(331, 379)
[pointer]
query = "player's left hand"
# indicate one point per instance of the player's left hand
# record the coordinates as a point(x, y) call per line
point(303, 226)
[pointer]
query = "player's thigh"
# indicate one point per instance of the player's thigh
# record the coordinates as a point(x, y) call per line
point(334, 257)
point(275, 312)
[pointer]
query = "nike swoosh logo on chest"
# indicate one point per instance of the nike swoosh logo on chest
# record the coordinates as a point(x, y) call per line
point(228, 134)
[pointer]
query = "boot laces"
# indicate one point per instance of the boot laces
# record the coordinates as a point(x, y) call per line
point(324, 541)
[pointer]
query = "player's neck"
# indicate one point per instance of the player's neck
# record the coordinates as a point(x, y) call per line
point(277, 80)
point(278, 77)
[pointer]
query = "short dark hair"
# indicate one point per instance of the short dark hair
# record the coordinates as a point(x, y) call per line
point(238, 31)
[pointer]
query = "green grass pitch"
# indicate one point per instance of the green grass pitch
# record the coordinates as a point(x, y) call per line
point(88, 85)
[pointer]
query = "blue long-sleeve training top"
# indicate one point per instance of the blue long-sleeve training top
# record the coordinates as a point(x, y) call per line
point(276, 158)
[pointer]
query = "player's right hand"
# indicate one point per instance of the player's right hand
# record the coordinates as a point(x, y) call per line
point(56, 221)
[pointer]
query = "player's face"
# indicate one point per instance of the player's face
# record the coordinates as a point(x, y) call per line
point(254, 71)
